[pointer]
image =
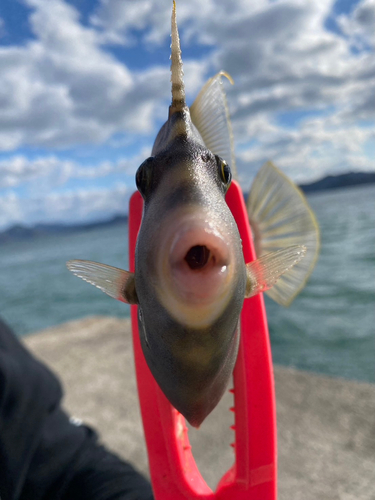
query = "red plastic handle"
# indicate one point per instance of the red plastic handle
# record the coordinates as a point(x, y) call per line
point(174, 473)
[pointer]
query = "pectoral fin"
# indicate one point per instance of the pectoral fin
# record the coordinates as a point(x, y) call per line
point(279, 217)
point(114, 282)
point(210, 115)
point(263, 273)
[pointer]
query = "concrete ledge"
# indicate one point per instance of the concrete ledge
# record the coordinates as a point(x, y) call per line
point(326, 426)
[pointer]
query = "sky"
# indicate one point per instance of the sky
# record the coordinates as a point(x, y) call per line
point(85, 87)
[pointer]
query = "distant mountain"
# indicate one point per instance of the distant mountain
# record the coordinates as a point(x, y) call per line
point(339, 181)
point(20, 232)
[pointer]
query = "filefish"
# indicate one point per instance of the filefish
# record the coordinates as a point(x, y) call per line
point(190, 278)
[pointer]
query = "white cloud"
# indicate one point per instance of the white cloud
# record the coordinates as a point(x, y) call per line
point(282, 59)
point(286, 61)
point(360, 26)
point(119, 18)
point(316, 148)
point(65, 88)
point(49, 172)
point(84, 205)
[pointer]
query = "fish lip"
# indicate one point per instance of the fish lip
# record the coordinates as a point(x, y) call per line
point(197, 234)
point(198, 286)
point(195, 298)
point(203, 285)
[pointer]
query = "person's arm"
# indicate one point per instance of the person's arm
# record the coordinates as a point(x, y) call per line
point(43, 455)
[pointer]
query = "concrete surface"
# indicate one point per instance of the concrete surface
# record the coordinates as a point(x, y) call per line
point(326, 426)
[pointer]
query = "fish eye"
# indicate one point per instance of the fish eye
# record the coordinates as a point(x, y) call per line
point(143, 176)
point(224, 171)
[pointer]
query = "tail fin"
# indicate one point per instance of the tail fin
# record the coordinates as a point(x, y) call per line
point(280, 217)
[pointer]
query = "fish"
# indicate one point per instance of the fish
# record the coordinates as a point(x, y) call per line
point(190, 278)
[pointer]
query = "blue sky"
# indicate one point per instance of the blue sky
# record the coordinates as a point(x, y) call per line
point(84, 87)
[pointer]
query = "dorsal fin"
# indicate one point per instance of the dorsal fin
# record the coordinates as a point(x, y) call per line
point(210, 115)
point(177, 73)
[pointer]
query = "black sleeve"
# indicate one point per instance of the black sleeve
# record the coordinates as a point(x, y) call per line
point(43, 455)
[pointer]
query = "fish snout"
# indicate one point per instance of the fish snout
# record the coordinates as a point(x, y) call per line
point(200, 263)
point(196, 269)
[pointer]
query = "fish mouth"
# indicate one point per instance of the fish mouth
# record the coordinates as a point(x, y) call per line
point(196, 268)
point(199, 261)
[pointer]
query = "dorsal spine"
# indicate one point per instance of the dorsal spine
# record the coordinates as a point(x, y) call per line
point(177, 73)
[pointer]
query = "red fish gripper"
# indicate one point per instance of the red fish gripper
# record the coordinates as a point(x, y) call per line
point(174, 473)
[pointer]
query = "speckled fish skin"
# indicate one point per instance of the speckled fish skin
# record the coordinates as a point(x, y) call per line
point(191, 365)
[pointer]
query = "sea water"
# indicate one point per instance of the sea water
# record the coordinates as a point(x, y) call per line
point(329, 328)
